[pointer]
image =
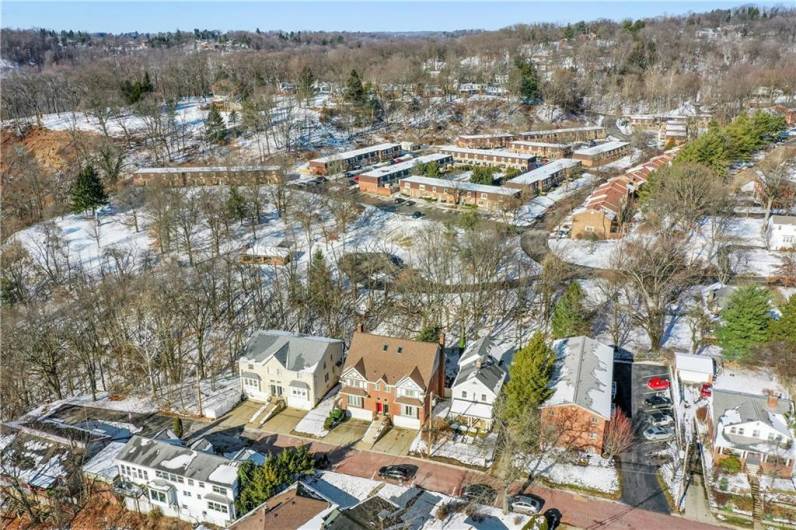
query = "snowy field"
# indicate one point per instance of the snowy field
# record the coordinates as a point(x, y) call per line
point(471, 450)
point(537, 206)
point(600, 475)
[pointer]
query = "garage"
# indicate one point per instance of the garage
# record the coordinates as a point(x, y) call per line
point(694, 369)
point(298, 396)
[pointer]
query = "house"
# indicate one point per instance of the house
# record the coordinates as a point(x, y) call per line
point(565, 135)
point(259, 254)
point(484, 141)
point(384, 180)
point(179, 482)
point(355, 158)
point(455, 192)
point(206, 175)
point(288, 510)
point(781, 232)
point(754, 429)
point(489, 157)
point(693, 369)
point(545, 177)
point(548, 151)
point(600, 154)
point(393, 378)
point(579, 410)
point(298, 368)
point(477, 385)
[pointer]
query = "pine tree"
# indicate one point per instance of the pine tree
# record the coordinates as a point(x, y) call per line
point(569, 318)
point(87, 192)
point(529, 379)
point(355, 91)
point(306, 82)
point(236, 205)
point(176, 426)
point(429, 333)
point(784, 329)
point(745, 322)
point(215, 129)
point(525, 80)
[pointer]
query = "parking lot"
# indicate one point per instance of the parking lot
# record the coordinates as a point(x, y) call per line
point(640, 486)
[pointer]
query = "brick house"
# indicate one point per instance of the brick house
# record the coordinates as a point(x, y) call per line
point(355, 158)
point(600, 154)
point(388, 376)
point(384, 180)
point(579, 411)
point(565, 135)
point(455, 192)
point(484, 141)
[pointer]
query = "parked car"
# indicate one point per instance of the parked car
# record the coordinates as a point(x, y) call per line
point(321, 460)
point(657, 402)
point(480, 493)
point(398, 471)
point(417, 214)
point(659, 419)
point(658, 384)
point(399, 200)
point(553, 518)
point(655, 433)
point(527, 504)
point(706, 391)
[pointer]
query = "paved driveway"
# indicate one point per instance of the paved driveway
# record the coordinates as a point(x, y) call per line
point(394, 442)
point(640, 487)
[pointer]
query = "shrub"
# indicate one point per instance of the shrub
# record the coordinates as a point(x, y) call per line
point(731, 465)
point(724, 484)
point(335, 416)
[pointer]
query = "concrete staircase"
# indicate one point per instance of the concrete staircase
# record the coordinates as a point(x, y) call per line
point(271, 409)
point(377, 428)
point(757, 501)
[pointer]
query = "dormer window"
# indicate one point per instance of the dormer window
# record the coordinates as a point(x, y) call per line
point(384, 348)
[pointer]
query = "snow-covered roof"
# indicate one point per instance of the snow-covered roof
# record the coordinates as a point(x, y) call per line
point(483, 136)
point(477, 363)
point(540, 144)
point(295, 352)
point(544, 172)
point(558, 131)
point(694, 363)
point(600, 148)
point(458, 185)
point(759, 383)
point(486, 152)
point(260, 249)
point(403, 166)
point(206, 169)
point(103, 465)
point(356, 152)
point(583, 374)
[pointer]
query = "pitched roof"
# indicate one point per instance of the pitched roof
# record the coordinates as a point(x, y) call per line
point(583, 374)
point(391, 359)
point(476, 363)
point(290, 509)
point(294, 351)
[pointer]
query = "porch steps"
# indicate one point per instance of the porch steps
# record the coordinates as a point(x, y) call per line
point(271, 409)
point(757, 501)
point(376, 429)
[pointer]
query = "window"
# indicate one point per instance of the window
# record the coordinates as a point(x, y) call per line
point(217, 506)
point(410, 411)
point(732, 430)
point(184, 506)
point(180, 479)
point(756, 434)
point(464, 394)
point(157, 496)
point(740, 430)
point(355, 401)
point(201, 484)
point(190, 482)
point(251, 366)
point(326, 377)
point(186, 493)
point(384, 348)
point(251, 382)
point(219, 490)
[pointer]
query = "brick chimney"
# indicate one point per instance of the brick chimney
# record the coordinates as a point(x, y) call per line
point(773, 400)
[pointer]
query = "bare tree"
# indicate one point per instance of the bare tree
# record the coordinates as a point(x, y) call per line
point(619, 435)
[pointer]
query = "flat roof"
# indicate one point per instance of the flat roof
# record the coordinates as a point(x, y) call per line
point(356, 152)
point(205, 169)
point(544, 172)
point(489, 152)
point(600, 148)
point(491, 135)
point(403, 166)
point(465, 186)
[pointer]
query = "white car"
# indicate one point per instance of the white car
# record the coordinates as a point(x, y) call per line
point(659, 419)
point(658, 433)
point(527, 504)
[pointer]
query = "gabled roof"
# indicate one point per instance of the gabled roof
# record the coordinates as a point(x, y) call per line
point(583, 375)
point(294, 351)
point(391, 359)
point(477, 364)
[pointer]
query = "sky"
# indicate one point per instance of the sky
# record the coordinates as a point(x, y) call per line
point(328, 15)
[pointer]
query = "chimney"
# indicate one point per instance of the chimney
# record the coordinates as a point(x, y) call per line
point(773, 400)
point(361, 327)
point(478, 363)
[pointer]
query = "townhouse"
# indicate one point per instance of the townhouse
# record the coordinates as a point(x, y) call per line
point(205, 175)
point(454, 192)
point(195, 486)
point(579, 411)
point(389, 377)
point(564, 135)
point(384, 180)
point(477, 385)
point(484, 141)
point(547, 151)
point(781, 232)
point(543, 178)
point(489, 157)
point(300, 369)
point(353, 159)
point(600, 154)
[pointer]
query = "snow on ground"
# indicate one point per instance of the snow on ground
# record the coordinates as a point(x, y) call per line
point(537, 206)
point(625, 162)
point(469, 449)
point(756, 261)
point(599, 475)
point(312, 422)
point(594, 254)
point(747, 381)
point(102, 465)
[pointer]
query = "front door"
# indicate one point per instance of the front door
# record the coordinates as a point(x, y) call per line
point(386, 410)
point(378, 407)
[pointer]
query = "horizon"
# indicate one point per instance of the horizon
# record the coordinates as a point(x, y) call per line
point(332, 16)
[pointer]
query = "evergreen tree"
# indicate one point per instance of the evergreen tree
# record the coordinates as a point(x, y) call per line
point(529, 379)
point(569, 318)
point(237, 207)
point(745, 322)
point(306, 82)
point(258, 483)
point(429, 333)
point(176, 426)
point(784, 329)
point(354, 90)
point(215, 129)
point(483, 175)
point(87, 192)
point(525, 80)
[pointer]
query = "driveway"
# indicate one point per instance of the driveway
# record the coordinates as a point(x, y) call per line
point(640, 487)
point(394, 442)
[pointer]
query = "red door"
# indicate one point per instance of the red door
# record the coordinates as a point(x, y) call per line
point(378, 407)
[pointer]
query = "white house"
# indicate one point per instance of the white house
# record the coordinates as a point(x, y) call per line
point(299, 368)
point(781, 232)
point(694, 369)
point(185, 483)
point(477, 385)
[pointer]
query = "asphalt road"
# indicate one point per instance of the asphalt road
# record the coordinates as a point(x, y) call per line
point(640, 486)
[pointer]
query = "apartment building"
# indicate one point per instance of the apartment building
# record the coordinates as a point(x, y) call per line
point(564, 135)
point(354, 159)
point(489, 157)
point(455, 192)
point(259, 254)
point(484, 141)
point(547, 151)
point(600, 154)
point(205, 175)
point(543, 178)
point(384, 180)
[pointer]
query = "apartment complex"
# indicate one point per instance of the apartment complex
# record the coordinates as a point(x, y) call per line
point(489, 157)
point(205, 175)
point(455, 192)
point(384, 180)
point(484, 141)
point(548, 151)
point(545, 177)
point(565, 135)
point(354, 159)
point(600, 154)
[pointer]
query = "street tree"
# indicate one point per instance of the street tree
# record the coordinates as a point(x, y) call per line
point(569, 315)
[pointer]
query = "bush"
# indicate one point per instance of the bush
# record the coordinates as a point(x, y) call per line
point(335, 417)
point(724, 484)
point(731, 465)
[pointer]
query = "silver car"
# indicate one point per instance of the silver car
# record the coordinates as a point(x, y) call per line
point(658, 433)
point(526, 504)
point(659, 419)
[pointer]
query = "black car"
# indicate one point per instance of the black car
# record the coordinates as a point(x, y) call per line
point(417, 215)
point(553, 518)
point(658, 402)
point(321, 460)
point(398, 471)
point(480, 493)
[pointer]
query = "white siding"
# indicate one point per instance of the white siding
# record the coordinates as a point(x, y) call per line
point(360, 414)
point(405, 422)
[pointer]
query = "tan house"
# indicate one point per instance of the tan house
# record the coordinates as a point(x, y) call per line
point(600, 154)
point(489, 157)
point(297, 368)
point(564, 135)
point(484, 141)
point(205, 175)
point(354, 158)
point(548, 151)
point(579, 411)
point(392, 377)
point(259, 254)
point(455, 192)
